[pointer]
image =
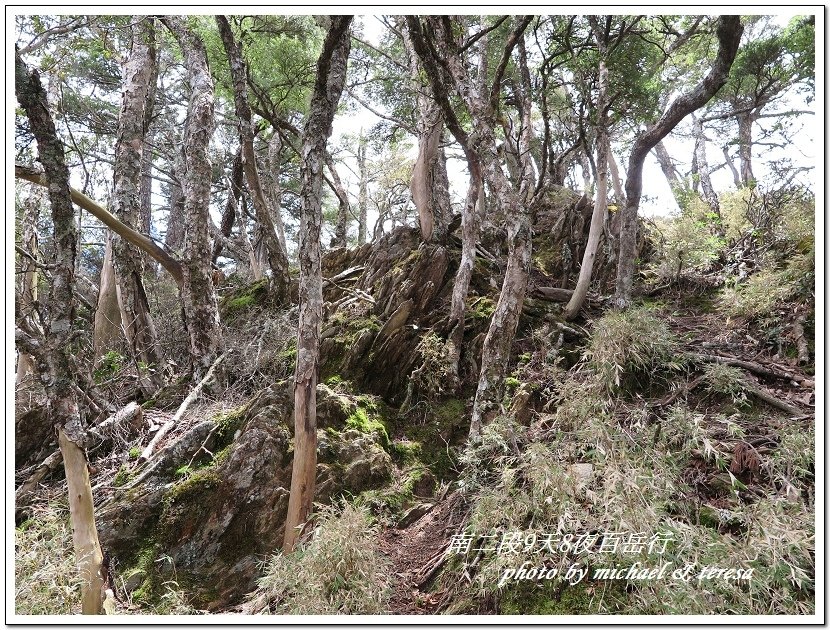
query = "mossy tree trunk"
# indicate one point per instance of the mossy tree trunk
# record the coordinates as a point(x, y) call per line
point(363, 191)
point(328, 86)
point(729, 36)
point(198, 295)
point(52, 348)
point(128, 260)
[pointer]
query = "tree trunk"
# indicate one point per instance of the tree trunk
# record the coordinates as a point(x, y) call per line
point(616, 180)
point(471, 213)
point(274, 166)
point(107, 326)
point(328, 86)
point(231, 205)
point(709, 193)
point(127, 259)
point(583, 283)
point(745, 121)
point(28, 278)
point(341, 228)
point(670, 172)
point(55, 344)
point(146, 212)
point(736, 178)
point(481, 146)
point(88, 554)
point(729, 37)
point(277, 258)
point(198, 297)
point(363, 194)
point(429, 184)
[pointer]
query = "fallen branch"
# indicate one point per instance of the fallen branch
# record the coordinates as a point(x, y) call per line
point(801, 341)
point(772, 400)
point(553, 294)
point(141, 241)
point(751, 366)
point(27, 488)
point(167, 426)
point(130, 416)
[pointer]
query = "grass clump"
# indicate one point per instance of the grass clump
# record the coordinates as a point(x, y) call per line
point(340, 571)
point(632, 347)
point(46, 580)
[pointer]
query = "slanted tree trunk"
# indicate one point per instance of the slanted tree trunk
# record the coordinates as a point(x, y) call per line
point(127, 259)
point(277, 257)
point(363, 192)
point(341, 227)
point(670, 172)
point(729, 37)
point(583, 283)
point(736, 178)
point(709, 193)
point(198, 297)
point(54, 346)
point(328, 86)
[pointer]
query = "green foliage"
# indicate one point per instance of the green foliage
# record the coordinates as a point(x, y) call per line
point(632, 346)
point(365, 420)
point(109, 366)
point(766, 291)
point(339, 571)
point(688, 242)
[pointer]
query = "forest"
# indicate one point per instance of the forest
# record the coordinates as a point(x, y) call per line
point(415, 315)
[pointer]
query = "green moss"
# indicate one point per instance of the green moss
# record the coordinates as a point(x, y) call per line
point(393, 500)
point(444, 428)
point(480, 308)
point(227, 424)
point(122, 476)
point(365, 421)
point(406, 452)
point(134, 452)
point(244, 298)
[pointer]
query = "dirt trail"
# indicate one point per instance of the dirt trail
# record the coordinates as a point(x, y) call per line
point(417, 552)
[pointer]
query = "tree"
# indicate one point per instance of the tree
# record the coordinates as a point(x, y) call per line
point(52, 348)
point(328, 86)
point(198, 297)
point(729, 36)
point(128, 260)
point(603, 150)
point(277, 258)
point(438, 48)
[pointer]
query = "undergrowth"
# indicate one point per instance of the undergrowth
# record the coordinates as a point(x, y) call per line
point(340, 571)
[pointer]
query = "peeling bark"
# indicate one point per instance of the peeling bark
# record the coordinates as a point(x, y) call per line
point(198, 297)
point(107, 326)
point(128, 260)
point(328, 86)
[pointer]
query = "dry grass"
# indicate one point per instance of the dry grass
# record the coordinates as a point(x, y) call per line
point(340, 571)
